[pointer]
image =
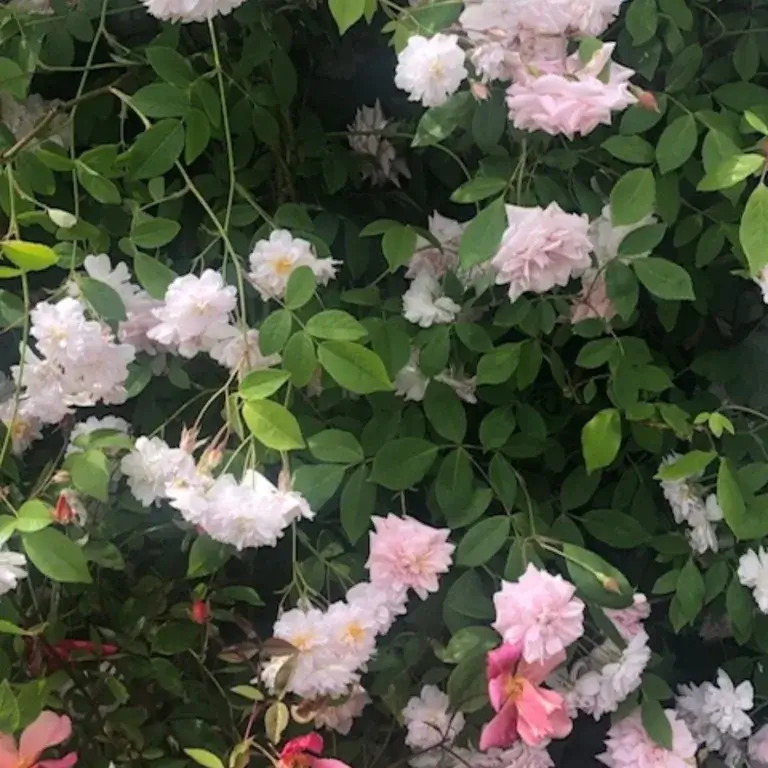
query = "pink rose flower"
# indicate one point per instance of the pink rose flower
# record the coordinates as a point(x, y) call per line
point(48, 730)
point(539, 612)
point(523, 709)
point(758, 746)
point(408, 554)
point(629, 746)
point(569, 97)
point(303, 751)
point(541, 248)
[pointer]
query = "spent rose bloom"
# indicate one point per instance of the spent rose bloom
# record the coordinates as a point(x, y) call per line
point(523, 708)
point(430, 69)
point(593, 301)
point(424, 303)
point(571, 99)
point(408, 554)
point(629, 621)
point(541, 248)
point(48, 730)
point(629, 746)
point(540, 612)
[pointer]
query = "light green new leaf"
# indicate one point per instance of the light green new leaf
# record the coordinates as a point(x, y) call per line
point(354, 367)
point(601, 439)
point(346, 12)
point(90, 473)
point(753, 232)
point(31, 257)
point(273, 425)
point(731, 171)
point(33, 515)
point(204, 757)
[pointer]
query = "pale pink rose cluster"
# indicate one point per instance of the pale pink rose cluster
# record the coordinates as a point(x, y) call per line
point(527, 43)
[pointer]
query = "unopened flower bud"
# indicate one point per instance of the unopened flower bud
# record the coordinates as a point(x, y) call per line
point(188, 441)
point(480, 90)
point(210, 460)
point(200, 612)
point(647, 100)
point(610, 584)
point(61, 477)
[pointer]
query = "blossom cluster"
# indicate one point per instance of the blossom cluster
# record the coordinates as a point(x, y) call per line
point(249, 512)
point(525, 47)
point(689, 505)
point(333, 645)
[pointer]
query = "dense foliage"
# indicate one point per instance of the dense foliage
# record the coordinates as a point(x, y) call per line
point(435, 428)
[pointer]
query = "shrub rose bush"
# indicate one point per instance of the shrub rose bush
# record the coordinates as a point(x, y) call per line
point(384, 384)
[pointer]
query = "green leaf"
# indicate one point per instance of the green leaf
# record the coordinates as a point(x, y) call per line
point(104, 299)
point(633, 197)
point(9, 709)
point(318, 483)
point(689, 465)
point(689, 595)
point(198, 134)
point(31, 257)
point(346, 12)
point(170, 65)
point(161, 100)
point(13, 79)
point(273, 425)
point(482, 236)
point(259, 385)
point(398, 245)
point(445, 412)
point(745, 524)
point(642, 240)
point(482, 541)
point(247, 595)
point(601, 439)
point(496, 428)
point(740, 606)
point(677, 143)
point(274, 332)
point(206, 556)
point(33, 516)
point(498, 366)
point(156, 150)
point(152, 233)
point(466, 685)
point(630, 149)
point(401, 464)
point(153, 276)
point(642, 20)
point(335, 446)
point(90, 473)
point(503, 480)
point(753, 232)
point(656, 724)
point(664, 279)
point(204, 757)
point(300, 288)
point(479, 188)
point(730, 172)
point(354, 367)
point(437, 123)
point(622, 287)
point(358, 500)
point(615, 528)
point(683, 68)
point(335, 324)
point(56, 556)
point(468, 597)
point(596, 579)
point(469, 641)
point(99, 187)
point(299, 358)
point(453, 488)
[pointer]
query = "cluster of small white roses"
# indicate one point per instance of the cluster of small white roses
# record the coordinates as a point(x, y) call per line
point(753, 573)
point(598, 683)
point(332, 646)
point(526, 45)
point(689, 505)
point(250, 512)
point(716, 714)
